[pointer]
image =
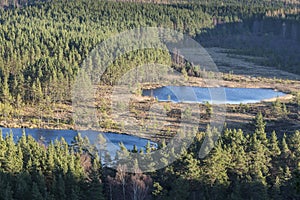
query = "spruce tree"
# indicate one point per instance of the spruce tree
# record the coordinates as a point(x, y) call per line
point(273, 145)
point(260, 126)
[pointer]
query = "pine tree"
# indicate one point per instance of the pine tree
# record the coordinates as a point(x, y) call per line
point(260, 126)
point(258, 188)
point(71, 186)
point(148, 147)
point(78, 143)
point(273, 145)
point(13, 156)
point(6, 96)
point(123, 154)
point(102, 146)
point(276, 192)
point(157, 190)
point(135, 149)
point(50, 163)
point(294, 145)
point(277, 108)
point(285, 151)
point(95, 190)
point(191, 167)
point(295, 183)
point(216, 166)
point(260, 160)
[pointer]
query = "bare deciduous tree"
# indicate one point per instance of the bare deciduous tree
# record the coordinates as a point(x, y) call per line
point(121, 176)
point(140, 184)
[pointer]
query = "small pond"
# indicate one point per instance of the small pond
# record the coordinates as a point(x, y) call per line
point(112, 139)
point(221, 95)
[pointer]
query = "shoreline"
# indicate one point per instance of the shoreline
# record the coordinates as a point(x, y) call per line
point(80, 131)
point(61, 117)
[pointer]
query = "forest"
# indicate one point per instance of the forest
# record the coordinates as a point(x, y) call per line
point(43, 44)
point(256, 165)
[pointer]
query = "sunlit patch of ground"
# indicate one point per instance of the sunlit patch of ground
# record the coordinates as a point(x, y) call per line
point(241, 65)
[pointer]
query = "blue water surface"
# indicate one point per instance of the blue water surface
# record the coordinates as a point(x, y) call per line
point(217, 95)
point(112, 139)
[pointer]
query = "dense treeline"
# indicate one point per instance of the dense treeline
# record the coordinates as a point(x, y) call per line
point(255, 165)
point(277, 3)
point(243, 166)
point(31, 170)
point(43, 45)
